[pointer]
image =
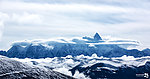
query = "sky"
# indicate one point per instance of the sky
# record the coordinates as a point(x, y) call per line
point(43, 19)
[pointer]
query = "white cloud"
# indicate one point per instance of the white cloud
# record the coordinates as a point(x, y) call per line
point(63, 70)
point(1, 29)
point(26, 18)
point(80, 75)
point(3, 18)
point(45, 19)
point(34, 7)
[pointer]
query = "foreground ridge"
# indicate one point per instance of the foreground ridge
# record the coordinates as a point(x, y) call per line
point(11, 69)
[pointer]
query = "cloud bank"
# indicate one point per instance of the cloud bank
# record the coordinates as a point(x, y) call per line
point(25, 19)
point(1, 29)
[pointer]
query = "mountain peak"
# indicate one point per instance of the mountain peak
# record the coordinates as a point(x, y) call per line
point(97, 37)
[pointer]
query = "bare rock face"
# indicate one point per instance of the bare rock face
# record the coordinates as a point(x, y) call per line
point(97, 37)
point(11, 69)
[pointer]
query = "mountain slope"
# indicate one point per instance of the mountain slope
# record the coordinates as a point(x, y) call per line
point(11, 69)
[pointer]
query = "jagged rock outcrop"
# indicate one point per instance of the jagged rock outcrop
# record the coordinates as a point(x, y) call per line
point(97, 37)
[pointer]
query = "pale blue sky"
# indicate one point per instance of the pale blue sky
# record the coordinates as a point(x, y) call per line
point(34, 19)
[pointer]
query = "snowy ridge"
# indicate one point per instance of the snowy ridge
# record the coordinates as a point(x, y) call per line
point(11, 69)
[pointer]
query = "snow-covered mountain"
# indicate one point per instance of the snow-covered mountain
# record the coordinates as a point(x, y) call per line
point(83, 58)
point(74, 46)
point(12, 69)
point(94, 67)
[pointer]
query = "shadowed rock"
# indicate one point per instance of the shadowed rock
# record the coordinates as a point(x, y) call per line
point(97, 37)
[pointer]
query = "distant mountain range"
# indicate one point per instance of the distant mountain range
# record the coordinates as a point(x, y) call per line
point(75, 46)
